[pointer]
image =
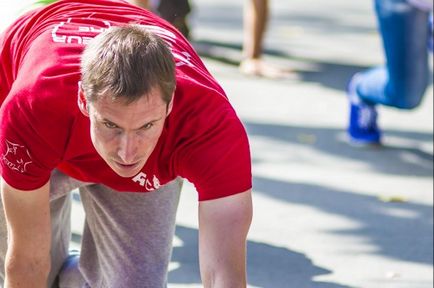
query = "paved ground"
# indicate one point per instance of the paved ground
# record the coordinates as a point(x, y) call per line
point(325, 215)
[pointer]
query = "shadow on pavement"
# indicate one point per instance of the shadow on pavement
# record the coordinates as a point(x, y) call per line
point(228, 16)
point(331, 75)
point(387, 159)
point(268, 266)
point(397, 230)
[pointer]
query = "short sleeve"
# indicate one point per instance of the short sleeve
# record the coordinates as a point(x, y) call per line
point(217, 161)
point(29, 151)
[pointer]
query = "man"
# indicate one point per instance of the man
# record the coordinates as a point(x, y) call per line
point(122, 121)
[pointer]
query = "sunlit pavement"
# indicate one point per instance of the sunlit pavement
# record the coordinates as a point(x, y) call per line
point(327, 214)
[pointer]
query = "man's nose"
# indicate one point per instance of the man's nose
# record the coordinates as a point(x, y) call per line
point(127, 150)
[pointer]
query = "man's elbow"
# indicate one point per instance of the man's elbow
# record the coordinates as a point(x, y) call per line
point(217, 281)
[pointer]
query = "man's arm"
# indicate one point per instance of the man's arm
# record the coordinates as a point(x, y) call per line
point(223, 227)
point(27, 214)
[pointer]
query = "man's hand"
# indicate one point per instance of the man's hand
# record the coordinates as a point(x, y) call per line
point(27, 261)
point(223, 227)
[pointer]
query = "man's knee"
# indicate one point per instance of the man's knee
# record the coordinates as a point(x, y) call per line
point(410, 98)
point(407, 94)
point(70, 275)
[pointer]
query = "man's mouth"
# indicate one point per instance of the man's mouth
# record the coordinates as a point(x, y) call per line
point(126, 166)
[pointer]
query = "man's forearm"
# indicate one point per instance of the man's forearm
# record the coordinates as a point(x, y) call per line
point(28, 260)
point(223, 227)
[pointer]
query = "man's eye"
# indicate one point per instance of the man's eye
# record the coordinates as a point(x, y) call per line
point(148, 126)
point(110, 125)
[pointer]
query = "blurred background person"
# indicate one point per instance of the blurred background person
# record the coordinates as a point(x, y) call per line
point(174, 11)
point(402, 81)
point(256, 17)
point(142, 3)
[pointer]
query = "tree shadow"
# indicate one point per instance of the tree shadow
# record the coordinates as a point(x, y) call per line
point(331, 75)
point(268, 266)
point(406, 236)
point(230, 16)
point(386, 159)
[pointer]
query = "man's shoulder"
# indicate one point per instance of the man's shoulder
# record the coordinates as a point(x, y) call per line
point(199, 108)
point(47, 94)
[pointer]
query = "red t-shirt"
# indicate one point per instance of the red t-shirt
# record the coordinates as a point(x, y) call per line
point(42, 128)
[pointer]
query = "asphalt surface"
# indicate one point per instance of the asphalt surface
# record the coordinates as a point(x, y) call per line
point(327, 214)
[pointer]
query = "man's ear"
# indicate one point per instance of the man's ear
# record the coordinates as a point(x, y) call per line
point(82, 102)
point(170, 105)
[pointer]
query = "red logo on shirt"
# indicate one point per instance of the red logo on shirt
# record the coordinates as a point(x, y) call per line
point(17, 157)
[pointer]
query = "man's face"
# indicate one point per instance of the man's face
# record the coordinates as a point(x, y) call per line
point(125, 135)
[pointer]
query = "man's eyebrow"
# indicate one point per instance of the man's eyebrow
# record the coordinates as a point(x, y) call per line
point(109, 121)
point(144, 125)
point(149, 122)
